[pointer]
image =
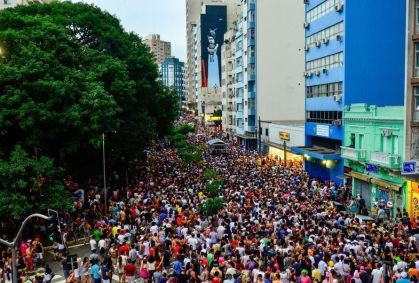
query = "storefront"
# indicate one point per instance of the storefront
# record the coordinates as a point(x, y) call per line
point(375, 190)
point(282, 136)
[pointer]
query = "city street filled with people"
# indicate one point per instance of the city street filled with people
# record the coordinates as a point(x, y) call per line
point(277, 224)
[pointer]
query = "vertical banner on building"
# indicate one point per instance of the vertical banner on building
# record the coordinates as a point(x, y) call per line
point(413, 200)
point(213, 27)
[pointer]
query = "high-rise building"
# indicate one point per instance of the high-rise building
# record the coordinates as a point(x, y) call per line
point(228, 84)
point(160, 49)
point(12, 3)
point(275, 83)
point(205, 19)
point(350, 58)
point(412, 110)
point(172, 71)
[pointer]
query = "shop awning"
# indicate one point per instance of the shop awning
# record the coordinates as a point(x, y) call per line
point(317, 152)
point(386, 184)
point(360, 176)
point(378, 182)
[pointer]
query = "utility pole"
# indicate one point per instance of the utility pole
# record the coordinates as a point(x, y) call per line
point(104, 173)
point(259, 134)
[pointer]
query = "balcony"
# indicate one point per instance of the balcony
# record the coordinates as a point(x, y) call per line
point(388, 160)
point(353, 153)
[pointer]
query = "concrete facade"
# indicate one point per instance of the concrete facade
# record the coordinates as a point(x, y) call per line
point(279, 88)
point(160, 49)
point(12, 3)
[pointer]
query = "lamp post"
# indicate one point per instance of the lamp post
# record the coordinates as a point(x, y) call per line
point(13, 245)
point(104, 173)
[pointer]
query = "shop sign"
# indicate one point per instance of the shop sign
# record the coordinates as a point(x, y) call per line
point(284, 136)
point(371, 168)
point(322, 130)
point(410, 167)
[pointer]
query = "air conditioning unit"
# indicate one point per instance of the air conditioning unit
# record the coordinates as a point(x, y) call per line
point(318, 73)
point(306, 48)
point(339, 37)
point(318, 43)
point(338, 97)
point(339, 7)
point(337, 122)
point(307, 74)
point(306, 25)
point(324, 71)
point(325, 40)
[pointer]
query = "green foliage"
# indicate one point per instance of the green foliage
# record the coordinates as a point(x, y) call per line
point(28, 185)
point(212, 206)
point(213, 186)
point(191, 154)
point(218, 113)
point(210, 174)
point(183, 129)
point(177, 138)
point(70, 73)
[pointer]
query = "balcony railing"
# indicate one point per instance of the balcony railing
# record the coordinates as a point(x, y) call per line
point(353, 153)
point(386, 159)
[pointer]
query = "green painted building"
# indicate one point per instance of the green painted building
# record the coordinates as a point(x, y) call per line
point(373, 152)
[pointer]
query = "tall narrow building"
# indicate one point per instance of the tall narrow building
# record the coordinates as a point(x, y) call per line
point(350, 58)
point(206, 24)
point(172, 71)
point(160, 49)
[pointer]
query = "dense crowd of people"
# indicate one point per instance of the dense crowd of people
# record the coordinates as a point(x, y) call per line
point(277, 225)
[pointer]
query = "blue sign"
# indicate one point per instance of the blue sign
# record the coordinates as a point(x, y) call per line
point(409, 167)
point(371, 168)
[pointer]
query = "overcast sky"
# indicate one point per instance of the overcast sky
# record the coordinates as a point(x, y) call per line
point(164, 17)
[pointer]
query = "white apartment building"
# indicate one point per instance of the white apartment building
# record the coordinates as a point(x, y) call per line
point(228, 84)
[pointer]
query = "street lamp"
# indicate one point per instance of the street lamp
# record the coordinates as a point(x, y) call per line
point(13, 245)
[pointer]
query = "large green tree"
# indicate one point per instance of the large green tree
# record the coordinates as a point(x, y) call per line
point(68, 73)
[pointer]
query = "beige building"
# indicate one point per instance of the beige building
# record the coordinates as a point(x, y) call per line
point(279, 61)
point(160, 49)
point(12, 3)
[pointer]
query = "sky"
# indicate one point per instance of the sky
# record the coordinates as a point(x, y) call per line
point(144, 17)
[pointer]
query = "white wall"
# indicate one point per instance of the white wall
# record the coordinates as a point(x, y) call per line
point(280, 59)
point(296, 134)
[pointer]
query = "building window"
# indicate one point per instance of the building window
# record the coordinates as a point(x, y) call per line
point(417, 17)
point(332, 89)
point(327, 62)
point(321, 10)
point(266, 132)
point(324, 117)
point(416, 98)
point(417, 59)
point(327, 33)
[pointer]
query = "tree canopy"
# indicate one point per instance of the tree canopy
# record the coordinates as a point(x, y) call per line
point(68, 73)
